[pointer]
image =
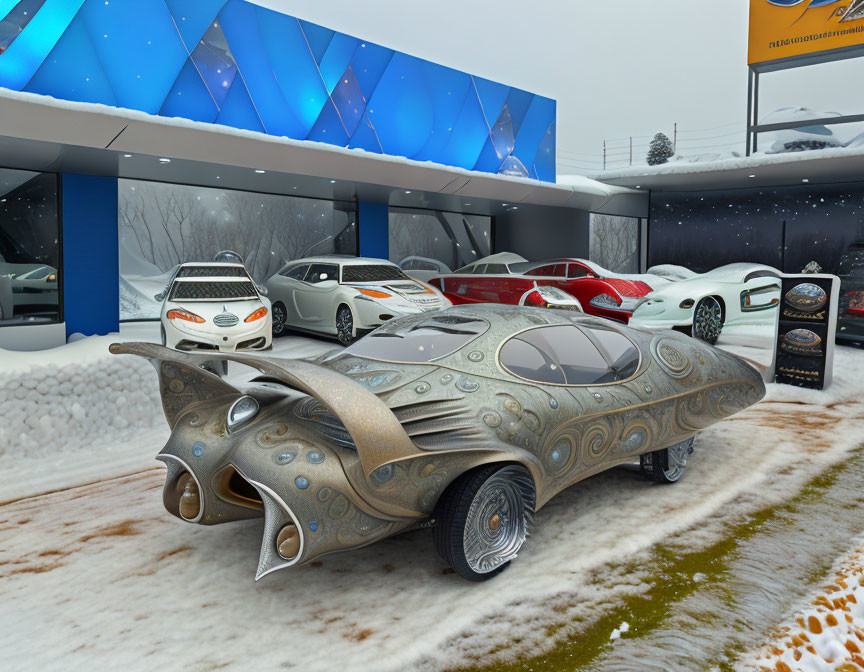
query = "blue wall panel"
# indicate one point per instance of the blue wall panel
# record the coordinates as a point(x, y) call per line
point(91, 293)
point(234, 63)
point(373, 230)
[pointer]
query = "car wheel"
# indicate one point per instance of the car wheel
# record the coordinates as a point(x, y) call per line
point(482, 520)
point(345, 325)
point(280, 318)
point(707, 320)
point(667, 465)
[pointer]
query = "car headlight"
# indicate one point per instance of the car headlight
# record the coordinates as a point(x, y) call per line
point(242, 410)
point(374, 293)
point(604, 301)
point(686, 304)
point(257, 315)
point(180, 314)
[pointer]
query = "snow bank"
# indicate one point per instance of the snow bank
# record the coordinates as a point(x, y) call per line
point(64, 398)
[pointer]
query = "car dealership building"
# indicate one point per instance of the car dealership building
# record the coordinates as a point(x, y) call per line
point(136, 136)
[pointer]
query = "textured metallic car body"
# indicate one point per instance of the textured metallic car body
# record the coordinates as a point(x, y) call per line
point(353, 450)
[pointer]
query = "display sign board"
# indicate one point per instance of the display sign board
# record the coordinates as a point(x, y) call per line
point(787, 28)
point(806, 328)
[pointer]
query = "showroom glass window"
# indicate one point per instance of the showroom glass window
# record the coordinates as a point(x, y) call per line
point(163, 225)
point(29, 248)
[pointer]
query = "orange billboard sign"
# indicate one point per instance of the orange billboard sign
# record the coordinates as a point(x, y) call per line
point(784, 28)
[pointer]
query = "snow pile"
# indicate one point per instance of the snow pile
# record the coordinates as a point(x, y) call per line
point(672, 272)
point(61, 399)
point(806, 137)
point(829, 633)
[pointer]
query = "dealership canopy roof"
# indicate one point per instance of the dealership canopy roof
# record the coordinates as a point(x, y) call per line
point(41, 133)
point(825, 166)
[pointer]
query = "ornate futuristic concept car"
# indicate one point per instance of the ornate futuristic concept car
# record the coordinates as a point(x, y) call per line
point(345, 296)
point(465, 420)
point(569, 284)
point(741, 293)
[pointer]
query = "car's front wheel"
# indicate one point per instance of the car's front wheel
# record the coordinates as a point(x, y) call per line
point(667, 465)
point(482, 520)
point(280, 318)
point(345, 325)
point(708, 320)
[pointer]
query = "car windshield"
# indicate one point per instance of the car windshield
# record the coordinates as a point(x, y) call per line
point(212, 272)
point(419, 339)
point(372, 273)
point(212, 291)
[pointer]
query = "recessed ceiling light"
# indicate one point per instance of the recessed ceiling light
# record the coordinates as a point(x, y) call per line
point(407, 192)
point(127, 156)
point(164, 160)
point(467, 204)
point(638, 186)
point(752, 176)
point(504, 204)
point(332, 181)
point(260, 172)
point(805, 180)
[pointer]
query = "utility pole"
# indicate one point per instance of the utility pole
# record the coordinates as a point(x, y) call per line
point(675, 140)
point(631, 150)
point(604, 155)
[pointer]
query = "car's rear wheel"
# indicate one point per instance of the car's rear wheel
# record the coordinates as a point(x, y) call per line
point(667, 465)
point(708, 320)
point(280, 318)
point(482, 520)
point(345, 325)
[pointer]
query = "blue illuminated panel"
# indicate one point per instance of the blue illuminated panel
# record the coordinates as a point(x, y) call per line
point(233, 63)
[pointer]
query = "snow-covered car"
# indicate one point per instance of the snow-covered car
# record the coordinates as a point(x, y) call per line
point(740, 293)
point(345, 296)
point(466, 420)
point(423, 268)
point(215, 307)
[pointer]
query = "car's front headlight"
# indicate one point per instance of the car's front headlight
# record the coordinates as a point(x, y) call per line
point(241, 411)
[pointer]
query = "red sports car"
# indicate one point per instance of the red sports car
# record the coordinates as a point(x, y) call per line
point(574, 284)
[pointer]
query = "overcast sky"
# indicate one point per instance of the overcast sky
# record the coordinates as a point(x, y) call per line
point(629, 67)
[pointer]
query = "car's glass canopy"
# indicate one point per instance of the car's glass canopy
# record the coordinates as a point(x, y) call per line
point(570, 355)
point(421, 339)
point(371, 273)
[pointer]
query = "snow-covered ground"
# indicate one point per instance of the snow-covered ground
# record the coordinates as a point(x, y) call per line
point(94, 572)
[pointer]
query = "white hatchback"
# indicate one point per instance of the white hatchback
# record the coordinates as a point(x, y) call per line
point(215, 307)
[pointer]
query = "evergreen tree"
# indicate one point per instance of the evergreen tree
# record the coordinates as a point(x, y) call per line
point(660, 150)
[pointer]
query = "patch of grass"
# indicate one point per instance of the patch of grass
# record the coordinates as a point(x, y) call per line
point(670, 580)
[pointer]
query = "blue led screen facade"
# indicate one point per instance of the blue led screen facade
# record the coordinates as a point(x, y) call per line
point(233, 63)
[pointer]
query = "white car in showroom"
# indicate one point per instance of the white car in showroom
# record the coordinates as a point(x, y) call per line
point(215, 307)
point(345, 296)
point(741, 293)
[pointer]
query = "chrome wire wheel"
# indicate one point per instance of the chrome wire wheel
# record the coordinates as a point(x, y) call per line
point(676, 461)
point(708, 320)
point(280, 317)
point(496, 526)
point(481, 521)
point(345, 325)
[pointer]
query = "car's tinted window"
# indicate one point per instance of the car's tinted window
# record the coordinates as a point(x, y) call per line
point(321, 272)
point(577, 271)
point(419, 265)
point(479, 269)
point(371, 273)
point(297, 272)
point(419, 339)
point(211, 272)
point(496, 269)
point(549, 270)
point(570, 355)
point(759, 274)
point(186, 290)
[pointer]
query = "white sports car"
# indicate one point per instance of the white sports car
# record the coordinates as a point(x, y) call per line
point(215, 307)
point(734, 294)
point(343, 296)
